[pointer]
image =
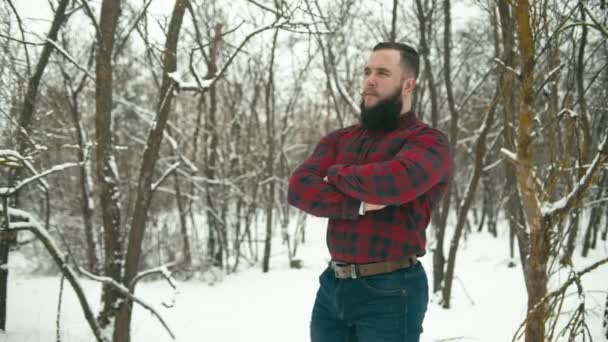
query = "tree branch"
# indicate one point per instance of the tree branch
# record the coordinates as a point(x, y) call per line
point(125, 292)
point(44, 236)
point(91, 16)
point(169, 171)
point(553, 209)
point(11, 190)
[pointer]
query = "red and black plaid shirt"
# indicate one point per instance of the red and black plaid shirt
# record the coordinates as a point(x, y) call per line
point(406, 169)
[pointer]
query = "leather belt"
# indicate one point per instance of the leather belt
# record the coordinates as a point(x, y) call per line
point(354, 271)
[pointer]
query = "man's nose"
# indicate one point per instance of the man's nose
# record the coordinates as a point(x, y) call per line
point(370, 81)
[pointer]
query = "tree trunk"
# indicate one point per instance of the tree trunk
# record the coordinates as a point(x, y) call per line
point(605, 323)
point(539, 229)
point(150, 156)
point(29, 102)
point(186, 254)
point(240, 204)
point(7, 238)
point(440, 226)
point(107, 173)
point(583, 147)
point(270, 119)
point(393, 36)
point(214, 244)
point(24, 121)
point(425, 23)
point(467, 200)
point(86, 174)
point(605, 232)
point(573, 227)
point(439, 218)
point(514, 210)
point(596, 217)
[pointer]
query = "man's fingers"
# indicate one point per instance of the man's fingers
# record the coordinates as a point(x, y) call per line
point(372, 207)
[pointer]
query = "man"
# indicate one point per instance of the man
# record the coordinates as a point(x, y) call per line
point(377, 182)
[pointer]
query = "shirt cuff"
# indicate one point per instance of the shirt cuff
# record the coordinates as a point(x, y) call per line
point(362, 209)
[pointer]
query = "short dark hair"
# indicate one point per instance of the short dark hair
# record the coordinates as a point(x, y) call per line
point(409, 56)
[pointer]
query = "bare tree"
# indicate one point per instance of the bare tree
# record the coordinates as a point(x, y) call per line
point(86, 172)
point(513, 209)
point(393, 36)
point(150, 157)
point(469, 195)
point(106, 168)
point(24, 121)
point(540, 218)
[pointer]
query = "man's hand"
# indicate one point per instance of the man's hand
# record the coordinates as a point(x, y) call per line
point(372, 207)
point(366, 206)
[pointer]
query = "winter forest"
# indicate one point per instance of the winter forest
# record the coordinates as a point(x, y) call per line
point(146, 148)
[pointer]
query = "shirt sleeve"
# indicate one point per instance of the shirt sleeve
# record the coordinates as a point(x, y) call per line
point(421, 164)
point(310, 193)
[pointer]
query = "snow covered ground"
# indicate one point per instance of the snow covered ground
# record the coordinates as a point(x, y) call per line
point(489, 300)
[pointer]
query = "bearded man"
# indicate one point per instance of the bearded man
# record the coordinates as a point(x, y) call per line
point(377, 182)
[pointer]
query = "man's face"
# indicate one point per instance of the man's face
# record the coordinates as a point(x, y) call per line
point(383, 91)
point(383, 77)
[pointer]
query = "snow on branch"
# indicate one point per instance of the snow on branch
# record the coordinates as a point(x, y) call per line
point(511, 156)
point(492, 165)
point(32, 225)
point(70, 58)
point(552, 209)
point(11, 190)
point(192, 85)
point(573, 115)
point(598, 201)
point(11, 158)
point(162, 269)
point(506, 67)
point(169, 171)
point(125, 292)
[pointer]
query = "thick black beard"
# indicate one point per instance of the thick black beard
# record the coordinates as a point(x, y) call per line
point(384, 115)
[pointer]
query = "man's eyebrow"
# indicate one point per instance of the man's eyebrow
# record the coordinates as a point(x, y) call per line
point(383, 69)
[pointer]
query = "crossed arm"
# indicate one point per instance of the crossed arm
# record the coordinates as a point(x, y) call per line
point(310, 193)
point(325, 189)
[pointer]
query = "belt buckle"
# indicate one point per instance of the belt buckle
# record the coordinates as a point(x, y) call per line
point(353, 271)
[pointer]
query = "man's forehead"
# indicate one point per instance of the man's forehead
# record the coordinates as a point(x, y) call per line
point(384, 58)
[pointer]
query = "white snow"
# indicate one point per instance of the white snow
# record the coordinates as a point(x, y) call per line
point(489, 299)
point(551, 207)
point(509, 154)
point(191, 85)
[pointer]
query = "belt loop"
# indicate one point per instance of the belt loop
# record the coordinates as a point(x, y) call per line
point(353, 271)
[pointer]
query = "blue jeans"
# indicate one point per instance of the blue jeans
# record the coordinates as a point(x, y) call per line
point(386, 307)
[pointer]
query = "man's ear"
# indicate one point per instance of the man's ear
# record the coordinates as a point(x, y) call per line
point(408, 86)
